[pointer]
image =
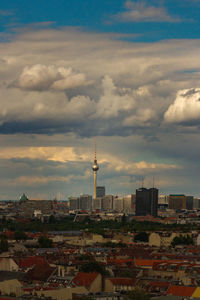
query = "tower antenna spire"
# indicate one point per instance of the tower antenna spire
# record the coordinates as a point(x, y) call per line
point(95, 149)
point(142, 181)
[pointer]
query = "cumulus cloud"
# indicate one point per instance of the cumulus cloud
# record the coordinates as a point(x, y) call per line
point(111, 103)
point(131, 89)
point(185, 108)
point(143, 117)
point(141, 12)
point(128, 166)
point(46, 108)
point(41, 77)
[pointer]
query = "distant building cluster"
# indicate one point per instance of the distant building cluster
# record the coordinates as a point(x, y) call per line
point(106, 264)
point(146, 201)
point(103, 202)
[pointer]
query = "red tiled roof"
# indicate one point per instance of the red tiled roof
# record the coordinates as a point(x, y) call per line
point(146, 218)
point(135, 263)
point(85, 279)
point(159, 283)
point(164, 265)
point(123, 281)
point(147, 262)
point(31, 261)
point(121, 261)
point(179, 290)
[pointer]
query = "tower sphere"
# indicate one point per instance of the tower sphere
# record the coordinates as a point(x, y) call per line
point(95, 167)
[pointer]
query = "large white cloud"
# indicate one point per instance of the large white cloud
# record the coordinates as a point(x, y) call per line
point(111, 103)
point(45, 107)
point(185, 108)
point(132, 85)
point(41, 77)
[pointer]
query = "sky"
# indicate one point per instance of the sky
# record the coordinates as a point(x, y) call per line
point(126, 72)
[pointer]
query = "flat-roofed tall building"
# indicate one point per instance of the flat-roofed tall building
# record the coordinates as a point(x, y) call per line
point(189, 202)
point(101, 191)
point(196, 203)
point(97, 203)
point(128, 203)
point(74, 203)
point(86, 202)
point(146, 202)
point(107, 202)
point(118, 204)
point(177, 201)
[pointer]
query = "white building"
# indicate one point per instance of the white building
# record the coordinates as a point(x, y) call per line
point(107, 203)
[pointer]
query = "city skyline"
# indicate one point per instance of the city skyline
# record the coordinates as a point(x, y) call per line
point(124, 71)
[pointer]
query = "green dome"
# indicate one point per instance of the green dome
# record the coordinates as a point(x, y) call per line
point(23, 198)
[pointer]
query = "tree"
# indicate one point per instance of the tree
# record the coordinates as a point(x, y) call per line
point(52, 219)
point(20, 235)
point(3, 244)
point(84, 257)
point(141, 237)
point(45, 242)
point(124, 219)
point(94, 266)
point(137, 294)
point(182, 240)
point(3, 220)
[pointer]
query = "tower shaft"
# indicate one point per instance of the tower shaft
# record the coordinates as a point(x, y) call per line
point(95, 168)
point(95, 185)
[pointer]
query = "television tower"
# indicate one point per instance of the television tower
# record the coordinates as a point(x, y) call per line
point(95, 168)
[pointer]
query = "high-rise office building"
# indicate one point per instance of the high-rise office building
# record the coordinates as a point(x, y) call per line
point(118, 204)
point(128, 203)
point(86, 202)
point(196, 203)
point(189, 202)
point(107, 202)
point(146, 202)
point(74, 203)
point(100, 191)
point(177, 201)
point(97, 203)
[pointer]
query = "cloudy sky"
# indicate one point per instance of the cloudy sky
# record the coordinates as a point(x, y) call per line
point(125, 72)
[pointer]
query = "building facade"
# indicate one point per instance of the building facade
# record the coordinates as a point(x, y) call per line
point(107, 202)
point(100, 191)
point(86, 202)
point(177, 201)
point(74, 203)
point(146, 202)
